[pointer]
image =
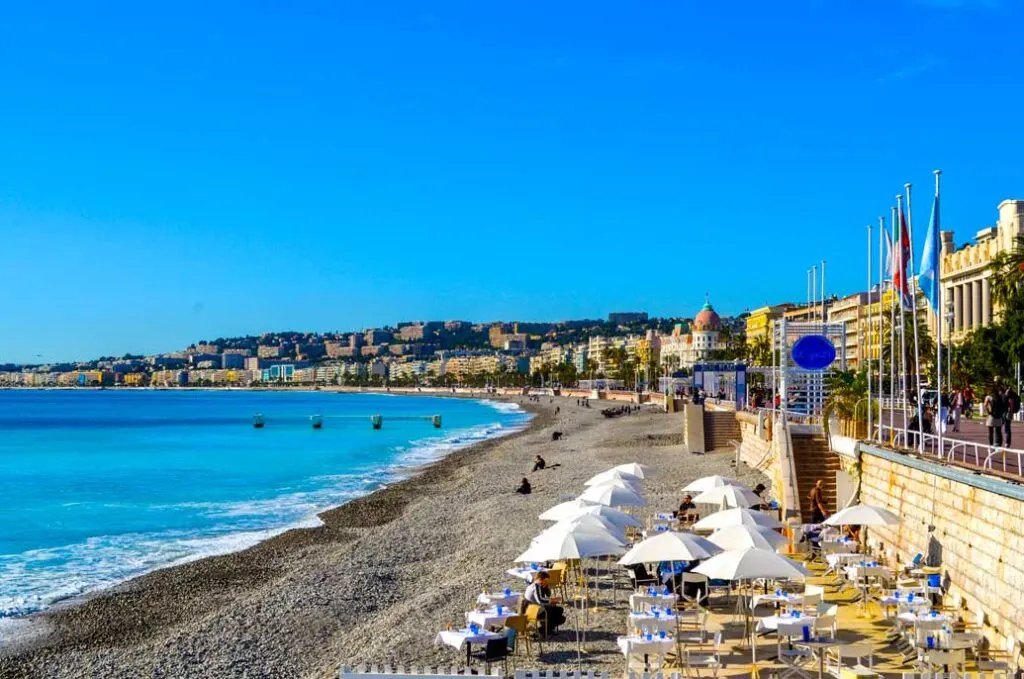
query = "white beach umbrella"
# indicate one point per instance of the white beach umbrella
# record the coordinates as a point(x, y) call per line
point(636, 469)
point(613, 475)
point(588, 523)
point(706, 483)
point(583, 508)
point(750, 564)
point(863, 515)
point(737, 516)
point(613, 496)
point(620, 483)
point(743, 537)
point(670, 546)
point(570, 543)
point(732, 496)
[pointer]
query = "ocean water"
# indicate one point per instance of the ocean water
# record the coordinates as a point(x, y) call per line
point(99, 486)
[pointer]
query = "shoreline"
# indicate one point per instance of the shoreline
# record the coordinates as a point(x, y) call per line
point(29, 632)
point(381, 577)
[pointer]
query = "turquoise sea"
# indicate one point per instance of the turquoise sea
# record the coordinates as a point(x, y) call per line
point(100, 486)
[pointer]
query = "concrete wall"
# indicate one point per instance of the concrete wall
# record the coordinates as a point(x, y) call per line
point(755, 440)
point(978, 530)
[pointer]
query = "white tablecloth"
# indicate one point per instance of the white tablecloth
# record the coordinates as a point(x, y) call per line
point(490, 617)
point(653, 624)
point(499, 599)
point(783, 599)
point(632, 645)
point(903, 603)
point(458, 638)
point(526, 573)
point(856, 572)
point(912, 618)
point(643, 602)
point(771, 623)
point(664, 516)
point(834, 560)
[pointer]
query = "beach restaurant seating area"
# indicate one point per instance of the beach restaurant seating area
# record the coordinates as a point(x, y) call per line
point(718, 587)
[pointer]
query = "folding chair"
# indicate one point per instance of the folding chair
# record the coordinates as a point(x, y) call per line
point(695, 662)
point(794, 659)
point(856, 652)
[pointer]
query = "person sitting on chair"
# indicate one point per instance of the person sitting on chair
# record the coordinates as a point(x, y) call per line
point(686, 508)
point(538, 593)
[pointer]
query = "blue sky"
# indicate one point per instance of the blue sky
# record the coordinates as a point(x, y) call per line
point(177, 171)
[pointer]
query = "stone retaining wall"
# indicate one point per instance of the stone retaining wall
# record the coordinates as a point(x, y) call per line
point(978, 531)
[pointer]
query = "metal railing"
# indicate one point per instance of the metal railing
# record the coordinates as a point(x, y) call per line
point(954, 451)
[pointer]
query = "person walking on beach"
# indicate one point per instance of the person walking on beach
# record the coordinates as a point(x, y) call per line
point(524, 487)
point(1012, 401)
point(994, 408)
point(539, 463)
point(817, 498)
point(538, 593)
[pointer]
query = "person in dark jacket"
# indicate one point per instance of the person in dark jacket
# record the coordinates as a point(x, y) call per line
point(524, 487)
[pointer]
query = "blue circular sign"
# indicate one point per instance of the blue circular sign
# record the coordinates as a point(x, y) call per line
point(814, 352)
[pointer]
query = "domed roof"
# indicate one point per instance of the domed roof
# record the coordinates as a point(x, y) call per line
point(707, 319)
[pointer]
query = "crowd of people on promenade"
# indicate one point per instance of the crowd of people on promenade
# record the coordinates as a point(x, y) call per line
point(1000, 407)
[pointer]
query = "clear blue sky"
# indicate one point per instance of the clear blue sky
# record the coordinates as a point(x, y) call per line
point(187, 170)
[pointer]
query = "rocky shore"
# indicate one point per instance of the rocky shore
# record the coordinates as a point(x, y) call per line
point(376, 582)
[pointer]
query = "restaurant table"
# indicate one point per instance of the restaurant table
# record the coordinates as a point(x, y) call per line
point(836, 560)
point(783, 598)
point(668, 623)
point(457, 638)
point(524, 572)
point(642, 601)
point(490, 618)
point(634, 645)
point(912, 618)
point(859, 574)
point(818, 647)
point(499, 599)
point(902, 603)
point(770, 623)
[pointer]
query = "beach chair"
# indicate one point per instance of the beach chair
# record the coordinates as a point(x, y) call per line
point(793, 659)
point(495, 650)
point(518, 624)
point(856, 652)
point(537, 623)
point(694, 662)
point(702, 591)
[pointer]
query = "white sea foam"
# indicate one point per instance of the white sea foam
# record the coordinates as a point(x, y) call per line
point(33, 580)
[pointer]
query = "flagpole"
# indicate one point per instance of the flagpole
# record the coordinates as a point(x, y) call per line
point(936, 243)
point(881, 289)
point(913, 307)
point(902, 264)
point(892, 328)
point(867, 342)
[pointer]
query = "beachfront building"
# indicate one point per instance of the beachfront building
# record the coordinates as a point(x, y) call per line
point(851, 312)
point(761, 321)
point(965, 274)
point(680, 350)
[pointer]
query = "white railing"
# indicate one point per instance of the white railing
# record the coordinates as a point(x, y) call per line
point(402, 672)
point(954, 451)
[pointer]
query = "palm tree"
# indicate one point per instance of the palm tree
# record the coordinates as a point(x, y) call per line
point(1008, 272)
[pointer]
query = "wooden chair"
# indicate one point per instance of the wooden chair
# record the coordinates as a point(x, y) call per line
point(537, 622)
point(519, 624)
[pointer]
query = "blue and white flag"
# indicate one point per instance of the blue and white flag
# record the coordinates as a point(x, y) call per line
point(887, 257)
point(929, 276)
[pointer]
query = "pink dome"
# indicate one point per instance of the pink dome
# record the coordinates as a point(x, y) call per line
point(707, 319)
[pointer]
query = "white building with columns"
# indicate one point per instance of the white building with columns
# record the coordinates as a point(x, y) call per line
point(965, 271)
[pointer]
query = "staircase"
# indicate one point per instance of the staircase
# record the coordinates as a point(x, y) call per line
point(720, 427)
point(813, 460)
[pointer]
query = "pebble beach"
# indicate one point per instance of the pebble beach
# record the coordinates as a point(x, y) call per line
point(383, 574)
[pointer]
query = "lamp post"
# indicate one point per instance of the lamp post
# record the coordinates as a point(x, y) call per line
point(949, 340)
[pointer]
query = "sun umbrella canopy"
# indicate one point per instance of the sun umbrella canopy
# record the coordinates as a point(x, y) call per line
point(588, 523)
point(733, 496)
point(575, 508)
point(613, 496)
point(708, 482)
point(569, 543)
point(749, 564)
point(640, 470)
point(863, 515)
point(738, 516)
point(620, 483)
point(670, 547)
point(744, 537)
point(613, 475)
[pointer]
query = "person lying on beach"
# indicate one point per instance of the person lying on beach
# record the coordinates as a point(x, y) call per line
point(524, 487)
point(539, 593)
point(538, 463)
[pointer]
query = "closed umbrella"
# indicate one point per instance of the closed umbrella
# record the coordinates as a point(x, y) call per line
point(738, 516)
point(613, 475)
point(575, 508)
point(636, 469)
point(732, 496)
point(744, 537)
point(670, 546)
point(613, 496)
point(708, 482)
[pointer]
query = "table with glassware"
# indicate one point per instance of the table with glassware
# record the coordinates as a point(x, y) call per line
point(504, 598)
point(650, 644)
point(818, 647)
point(465, 638)
point(643, 601)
